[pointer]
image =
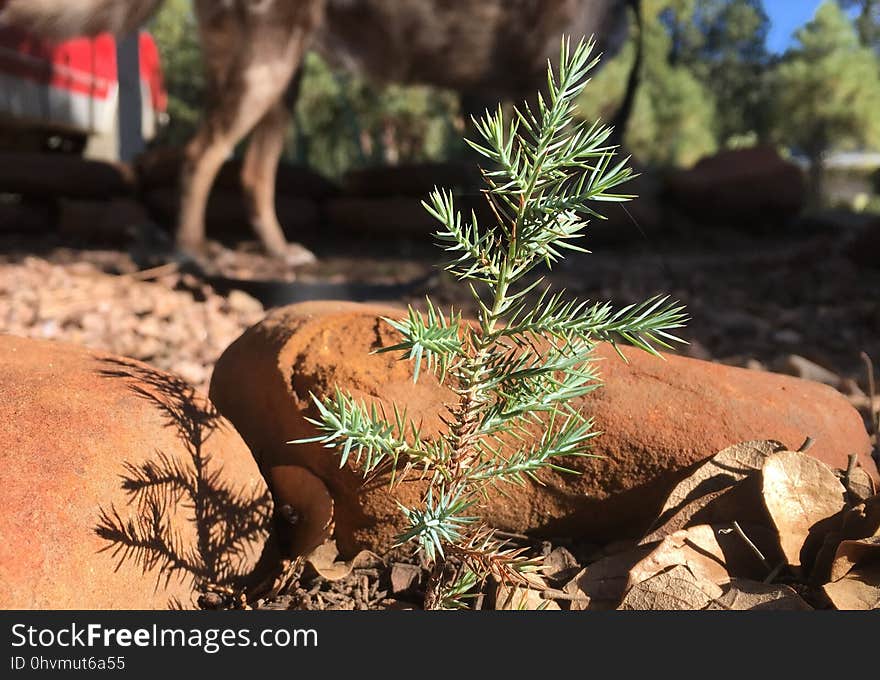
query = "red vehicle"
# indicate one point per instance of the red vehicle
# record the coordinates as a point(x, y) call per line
point(66, 94)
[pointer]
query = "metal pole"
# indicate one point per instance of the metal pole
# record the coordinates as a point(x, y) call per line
point(131, 139)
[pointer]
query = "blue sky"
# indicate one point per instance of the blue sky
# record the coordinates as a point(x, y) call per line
point(786, 17)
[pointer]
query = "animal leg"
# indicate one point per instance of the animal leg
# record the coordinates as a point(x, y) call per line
point(258, 175)
point(267, 40)
point(226, 123)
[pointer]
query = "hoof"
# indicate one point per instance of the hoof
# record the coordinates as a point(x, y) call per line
point(193, 249)
point(201, 258)
point(294, 255)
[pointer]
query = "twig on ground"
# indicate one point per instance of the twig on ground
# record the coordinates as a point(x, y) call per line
point(478, 604)
point(872, 393)
point(773, 574)
point(513, 536)
point(807, 445)
point(155, 272)
point(742, 534)
point(553, 594)
point(847, 478)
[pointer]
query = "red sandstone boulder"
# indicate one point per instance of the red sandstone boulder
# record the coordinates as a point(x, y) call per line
point(659, 418)
point(122, 487)
point(750, 189)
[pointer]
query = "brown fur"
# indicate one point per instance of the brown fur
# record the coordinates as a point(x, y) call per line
point(67, 18)
point(485, 49)
point(497, 48)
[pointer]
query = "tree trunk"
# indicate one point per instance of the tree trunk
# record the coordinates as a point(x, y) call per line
point(620, 121)
point(865, 23)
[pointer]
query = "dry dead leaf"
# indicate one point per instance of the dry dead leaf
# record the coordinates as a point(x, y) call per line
point(858, 590)
point(740, 557)
point(715, 479)
point(696, 548)
point(580, 601)
point(601, 585)
point(862, 521)
point(743, 594)
point(804, 498)
point(521, 597)
point(852, 553)
point(860, 485)
point(323, 560)
point(722, 470)
point(679, 588)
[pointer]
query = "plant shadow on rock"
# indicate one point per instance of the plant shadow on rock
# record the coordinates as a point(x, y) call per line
point(188, 522)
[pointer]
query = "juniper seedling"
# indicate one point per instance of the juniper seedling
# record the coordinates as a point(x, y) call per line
point(522, 365)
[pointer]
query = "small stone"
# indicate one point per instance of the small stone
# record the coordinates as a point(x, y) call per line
point(192, 372)
point(150, 327)
point(560, 564)
point(739, 323)
point(404, 576)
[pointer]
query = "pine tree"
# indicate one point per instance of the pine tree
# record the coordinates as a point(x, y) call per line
point(342, 121)
point(521, 364)
point(722, 43)
point(674, 115)
point(827, 91)
point(867, 21)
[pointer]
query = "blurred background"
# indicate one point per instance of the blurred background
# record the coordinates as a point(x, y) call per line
point(716, 74)
point(755, 128)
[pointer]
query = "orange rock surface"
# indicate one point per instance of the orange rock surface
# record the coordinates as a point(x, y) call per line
point(658, 418)
point(122, 486)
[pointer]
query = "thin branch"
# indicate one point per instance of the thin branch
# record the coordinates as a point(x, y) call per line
point(742, 534)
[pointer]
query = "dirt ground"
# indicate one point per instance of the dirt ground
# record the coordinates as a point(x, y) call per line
point(753, 302)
